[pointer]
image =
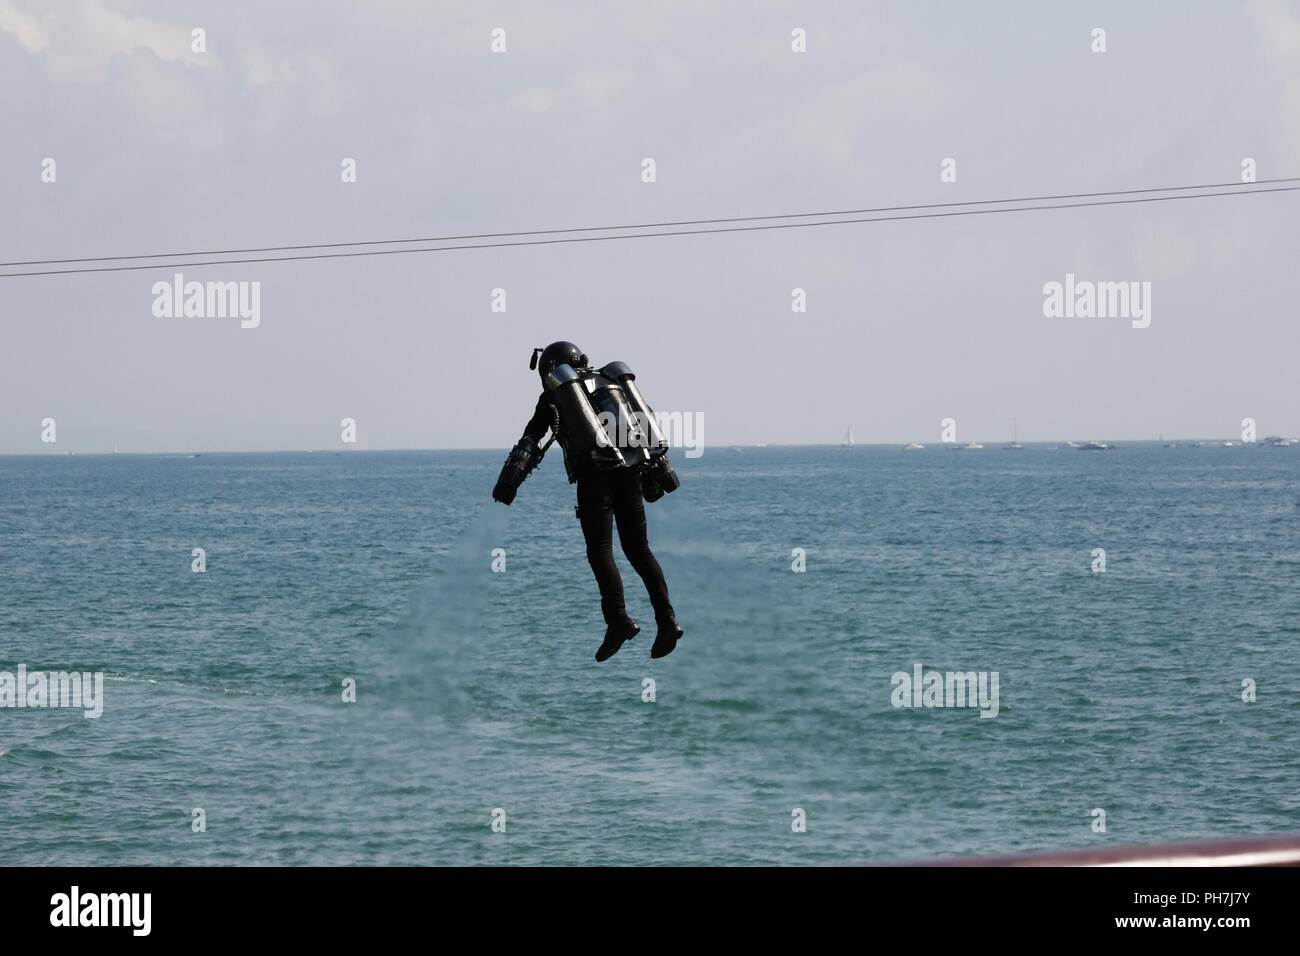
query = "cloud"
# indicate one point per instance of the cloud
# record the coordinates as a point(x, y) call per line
point(263, 68)
point(1278, 28)
point(591, 88)
point(24, 27)
point(79, 48)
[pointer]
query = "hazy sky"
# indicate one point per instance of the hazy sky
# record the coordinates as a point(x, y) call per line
point(159, 148)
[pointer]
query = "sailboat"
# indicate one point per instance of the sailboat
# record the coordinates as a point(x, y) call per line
point(848, 438)
point(1014, 444)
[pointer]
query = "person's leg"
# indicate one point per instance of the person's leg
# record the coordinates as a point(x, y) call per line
point(594, 513)
point(629, 512)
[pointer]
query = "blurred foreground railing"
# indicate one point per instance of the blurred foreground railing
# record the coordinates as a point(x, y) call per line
point(1281, 850)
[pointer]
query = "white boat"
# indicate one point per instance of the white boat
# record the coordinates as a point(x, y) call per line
point(1093, 446)
point(912, 446)
point(972, 445)
point(1071, 444)
point(848, 438)
point(1014, 444)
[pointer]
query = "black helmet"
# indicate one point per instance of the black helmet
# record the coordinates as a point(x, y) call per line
point(558, 353)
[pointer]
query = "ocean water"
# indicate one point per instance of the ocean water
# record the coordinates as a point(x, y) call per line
point(477, 692)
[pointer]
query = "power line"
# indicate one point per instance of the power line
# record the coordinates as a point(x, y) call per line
point(644, 225)
point(643, 235)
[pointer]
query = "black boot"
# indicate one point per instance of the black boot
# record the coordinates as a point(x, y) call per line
point(620, 629)
point(670, 632)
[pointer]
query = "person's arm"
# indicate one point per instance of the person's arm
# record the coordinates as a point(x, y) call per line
point(525, 455)
point(540, 423)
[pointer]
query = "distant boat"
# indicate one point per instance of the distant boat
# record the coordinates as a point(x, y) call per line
point(1198, 444)
point(1093, 446)
point(1277, 441)
point(848, 438)
point(912, 446)
point(973, 445)
point(1231, 444)
point(1014, 444)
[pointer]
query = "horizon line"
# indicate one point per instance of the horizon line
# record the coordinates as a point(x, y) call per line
point(1063, 442)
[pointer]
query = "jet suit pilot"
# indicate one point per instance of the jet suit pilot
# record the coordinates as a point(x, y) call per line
point(616, 454)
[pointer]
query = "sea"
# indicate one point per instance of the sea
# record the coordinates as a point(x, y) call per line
point(369, 662)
